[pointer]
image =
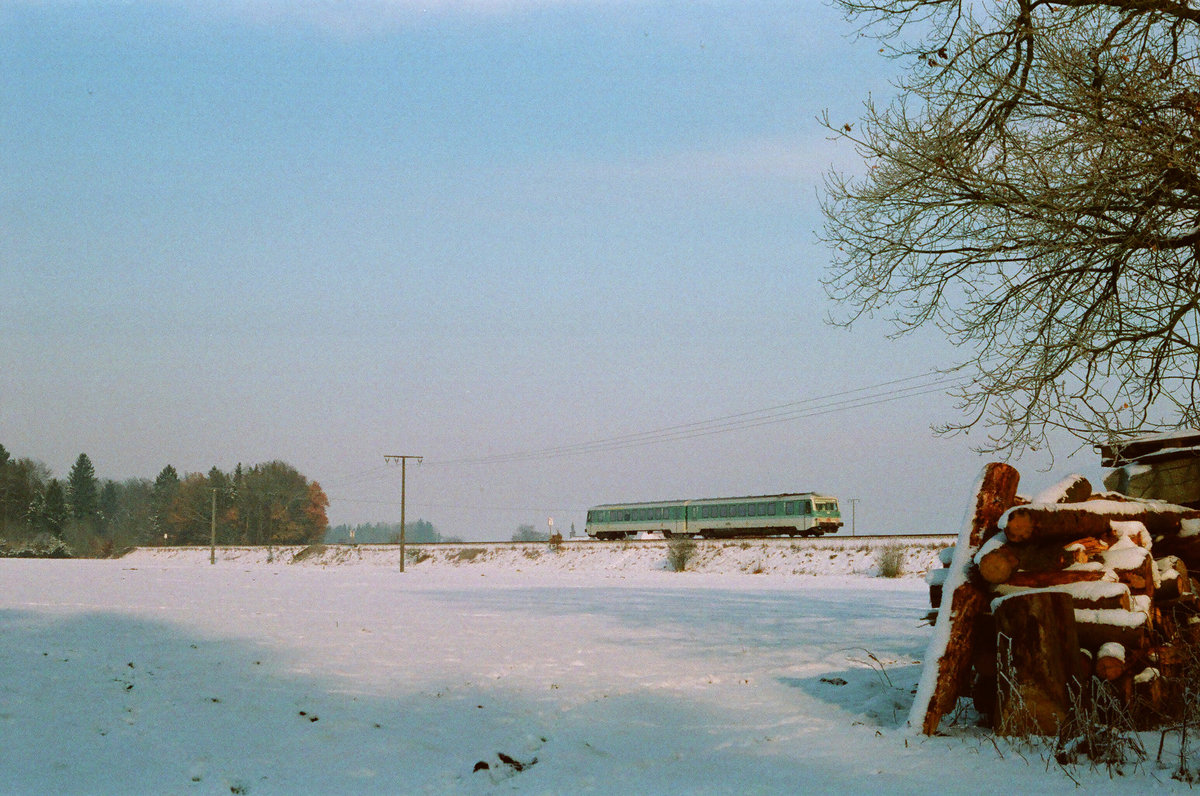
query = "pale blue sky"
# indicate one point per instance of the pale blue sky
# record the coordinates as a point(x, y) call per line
point(331, 231)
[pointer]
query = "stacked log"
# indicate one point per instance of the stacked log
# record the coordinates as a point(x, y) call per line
point(1074, 590)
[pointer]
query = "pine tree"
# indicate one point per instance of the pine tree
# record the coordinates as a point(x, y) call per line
point(53, 508)
point(166, 487)
point(83, 490)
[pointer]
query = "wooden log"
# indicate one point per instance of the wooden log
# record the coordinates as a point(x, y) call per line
point(1097, 628)
point(1060, 577)
point(1185, 548)
point(1075, 521)
point(1038, 653)
point(1094, 595)
point(948, 660)
point(1155, 701)
point(1133, 530)
point(1110, 661)
point(1132, 565)
point(1173, 581)
point(998, 559)
point(1072, 489)
point(1088, 547)
point(997, 564)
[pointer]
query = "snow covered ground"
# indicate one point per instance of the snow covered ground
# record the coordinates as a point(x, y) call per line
point(158, 673)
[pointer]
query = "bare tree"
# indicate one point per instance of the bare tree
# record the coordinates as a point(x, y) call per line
point(1034, 190)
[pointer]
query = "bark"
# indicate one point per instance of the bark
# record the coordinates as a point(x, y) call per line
point(1173, 578)
point(1037, 580)
point(1094, 631)
point(1110, 666)
point(950, 664)
point(1038, 651)
point(1051, 521)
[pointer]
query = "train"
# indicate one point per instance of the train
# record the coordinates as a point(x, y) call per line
point(797, 514)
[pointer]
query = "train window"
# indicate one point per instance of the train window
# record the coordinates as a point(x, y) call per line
point(806, 507)
point(789, 508)
point(742, 509)
point(771, 509)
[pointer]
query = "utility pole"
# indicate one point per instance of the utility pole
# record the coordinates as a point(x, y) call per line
point(853, 506)
point(212, 547)
point(403, 459)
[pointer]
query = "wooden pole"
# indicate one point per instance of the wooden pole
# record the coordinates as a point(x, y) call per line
point(403, 459)
point(212, 545)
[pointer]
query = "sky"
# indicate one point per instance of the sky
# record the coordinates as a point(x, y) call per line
point(481, 232)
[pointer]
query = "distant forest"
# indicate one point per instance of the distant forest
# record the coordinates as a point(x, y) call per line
point(386, 533)
point(83, 514)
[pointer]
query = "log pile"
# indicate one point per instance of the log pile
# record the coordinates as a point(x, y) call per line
point(1044, 595)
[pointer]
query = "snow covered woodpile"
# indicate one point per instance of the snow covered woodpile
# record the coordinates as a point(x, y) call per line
point(1044, 595)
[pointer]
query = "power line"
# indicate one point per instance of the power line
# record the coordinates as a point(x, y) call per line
point(781, 413)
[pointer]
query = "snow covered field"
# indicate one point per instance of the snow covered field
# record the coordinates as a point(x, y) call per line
point(159, 673)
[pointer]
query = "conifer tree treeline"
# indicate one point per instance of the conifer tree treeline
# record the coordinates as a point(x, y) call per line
point(269, 503)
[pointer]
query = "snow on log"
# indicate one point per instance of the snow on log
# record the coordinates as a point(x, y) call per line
point(1173, 581)
point(1096, 628)
point(1131, 564)
point(1078, 520)
point(997, 560)
point(1038, 652)
point(1185, 548)
point(1132, 530)
point(1110, 661)
point(948, 659)
point(1094, 594)
point(1072, 489)
point(1078, 573)
point(1088, 546)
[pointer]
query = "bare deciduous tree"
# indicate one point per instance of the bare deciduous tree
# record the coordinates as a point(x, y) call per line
point(1034, 190)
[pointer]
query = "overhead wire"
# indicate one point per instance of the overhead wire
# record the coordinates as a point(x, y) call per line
point(780, 413)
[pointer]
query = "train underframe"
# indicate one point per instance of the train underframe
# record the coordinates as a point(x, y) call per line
point(720, 533)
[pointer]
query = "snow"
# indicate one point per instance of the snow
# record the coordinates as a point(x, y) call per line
point(1114, 617)
point(1058, 492)
point(161, 673)
point(1124, 555)
point(1132, 532)
point(990, 546)
point(1189, 527)
point(1112, 649)
point(1086, 591)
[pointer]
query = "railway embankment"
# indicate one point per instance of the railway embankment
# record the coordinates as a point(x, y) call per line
point(826, 556)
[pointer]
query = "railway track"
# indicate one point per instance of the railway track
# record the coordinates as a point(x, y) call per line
point(819, 543)
point(782, 541)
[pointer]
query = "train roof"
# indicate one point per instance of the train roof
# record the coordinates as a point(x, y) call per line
point(783, 496)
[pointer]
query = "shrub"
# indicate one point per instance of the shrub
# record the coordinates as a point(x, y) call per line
point(468, 553)
point(680, 551)
point(889, 560)
point(308, 552)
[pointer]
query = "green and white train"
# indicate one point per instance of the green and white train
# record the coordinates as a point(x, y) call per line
point(801, 514)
